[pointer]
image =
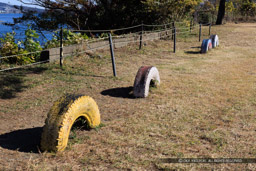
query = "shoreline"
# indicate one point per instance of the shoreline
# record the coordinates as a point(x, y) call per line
point(10, 13)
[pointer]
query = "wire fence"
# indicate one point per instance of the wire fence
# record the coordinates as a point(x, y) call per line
point(145, 33)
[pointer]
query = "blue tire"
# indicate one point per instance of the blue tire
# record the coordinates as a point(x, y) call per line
point(206, 45)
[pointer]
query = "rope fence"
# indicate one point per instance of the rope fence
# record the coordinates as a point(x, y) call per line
point(137, 36)
point(112, 30)
point(23, 66)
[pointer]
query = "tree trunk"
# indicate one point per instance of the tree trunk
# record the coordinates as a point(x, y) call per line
point(221, 12)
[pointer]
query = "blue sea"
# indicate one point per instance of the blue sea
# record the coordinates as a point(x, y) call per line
point(20, 31)
point(7, 18)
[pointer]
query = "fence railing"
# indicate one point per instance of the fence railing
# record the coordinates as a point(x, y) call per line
point(146, 33)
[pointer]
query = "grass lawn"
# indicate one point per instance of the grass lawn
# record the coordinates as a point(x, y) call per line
point(204, 108)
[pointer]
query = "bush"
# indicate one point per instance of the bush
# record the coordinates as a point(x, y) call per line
point(206, 13)
point(24, 49)
point(248, 8)
point(69, 38)
point(31, 44)
point(205, 17)
point(8, 47)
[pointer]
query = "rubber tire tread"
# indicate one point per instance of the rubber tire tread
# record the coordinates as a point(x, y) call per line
point(206, 45)
point(140, 86)
point(62, 116)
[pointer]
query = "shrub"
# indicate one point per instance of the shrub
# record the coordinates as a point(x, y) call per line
point(248, 8)
point(31, 44)
point(69, 38)
point(8, 47)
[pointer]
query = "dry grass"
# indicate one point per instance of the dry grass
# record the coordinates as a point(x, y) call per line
point(204, 108)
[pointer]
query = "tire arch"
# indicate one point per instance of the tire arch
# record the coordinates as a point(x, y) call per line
point(215, 40)
point(206, 45)
point(61, 118)
point(145, 76)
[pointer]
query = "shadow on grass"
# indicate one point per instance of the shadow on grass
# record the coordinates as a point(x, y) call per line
point(10, 85)
point(122, 92)
point(193, 52)
point(12, 82)
point(24, 140)
point(35, 70)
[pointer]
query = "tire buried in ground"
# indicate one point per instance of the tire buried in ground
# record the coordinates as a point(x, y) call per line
point(146, 76)
point(206, 45)
point(61, 118)
point(215, 40)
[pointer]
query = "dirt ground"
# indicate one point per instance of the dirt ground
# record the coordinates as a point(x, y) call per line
point(204, 108)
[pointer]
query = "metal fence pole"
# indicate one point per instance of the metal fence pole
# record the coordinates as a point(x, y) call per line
point(165, 28)
point(200, 32)
point(190, 26)
point(141, 34)
point(210, 29)
point(112, 54)
point(174, 38)
point(173, 26)
point(61, 47)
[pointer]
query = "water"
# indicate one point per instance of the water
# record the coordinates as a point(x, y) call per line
point(7, 18)
point(20, 32)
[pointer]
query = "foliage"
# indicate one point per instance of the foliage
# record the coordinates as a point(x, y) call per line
point(31, 44)
point(105, 14)
point(8, 47)
point(68, 38)
point(205, 17)
point(171, 9)
point(230, 10)
point(109, 14)
point(230, 7)
point(206, 13)
point(208, 6)
point(20, 50)
point(247, 8)
point(241, 9)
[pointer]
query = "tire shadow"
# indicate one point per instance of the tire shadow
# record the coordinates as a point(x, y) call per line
point(193, 52)
point(24, 140)
point(122, 92)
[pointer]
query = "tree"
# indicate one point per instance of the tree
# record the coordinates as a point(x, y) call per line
point(74, 13)
point(167, 10)
point(247, 8)
point(105, 14)
point(205, 13)
point(85, 14)
point(221, 12)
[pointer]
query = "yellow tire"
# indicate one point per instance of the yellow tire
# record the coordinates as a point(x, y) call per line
point(62, 116)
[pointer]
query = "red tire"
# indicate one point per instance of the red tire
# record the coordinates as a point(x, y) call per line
point(145, 77)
